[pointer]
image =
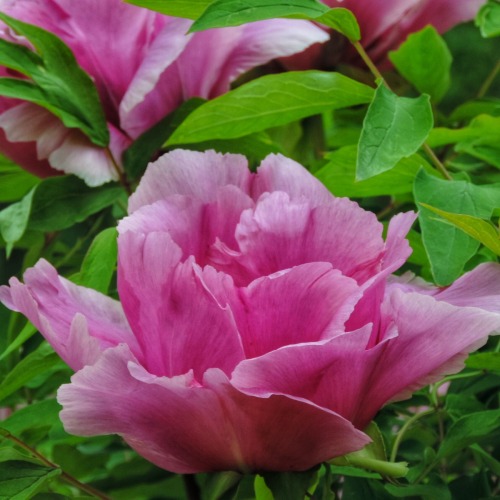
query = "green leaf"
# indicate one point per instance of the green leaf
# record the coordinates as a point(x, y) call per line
point(338, 175)
point(14, 220)
point(99, 263)
point(345, 470)
point(448, 247)
point(54, 204)
point(394, 128)
point(142, 150)
point(224, 13)
point(484, 361)
point(26, 333)
point(479, 229)
point(36, 363)
point(270, 101)
point(190, 9)
point(14, 181)
point(469, 430)
point(425, 61)
point(35, 415)
point(343, 21)
point(289, 485)
point(488, 19)
point(21, 480)
point(424, 491)
point(58, 83)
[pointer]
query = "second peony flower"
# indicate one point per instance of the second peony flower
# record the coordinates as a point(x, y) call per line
point(259, 326)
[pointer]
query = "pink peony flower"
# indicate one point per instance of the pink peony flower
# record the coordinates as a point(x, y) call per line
point(144, 66)
point(259, 326)
point(385, 24)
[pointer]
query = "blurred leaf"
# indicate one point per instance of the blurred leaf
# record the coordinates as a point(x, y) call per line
point(468, 430)
point(338, 175)
point(99, 263)
point(479, 229)
point(262, 492)
point(14, 181)
point(394, 128)
point(289, 485)
point(26, 333)
point(488, 19)
point(40, 414)
point(425, 61)
point(21, 480)
point(59, 83)
point(75, 462)
point(448, 247)
point(424, 491)
point(223, 13)
point(459, 405)
point(471, 109)
point(38, 362)
point(55, 204)
point(220, 483)
point(484, 361)
point(270, 101)
point(191, 9)
point(345, 470)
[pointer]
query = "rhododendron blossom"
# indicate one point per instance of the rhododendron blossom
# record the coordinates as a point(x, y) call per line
point(144, 66)
point(385, 24)
point(259, 326)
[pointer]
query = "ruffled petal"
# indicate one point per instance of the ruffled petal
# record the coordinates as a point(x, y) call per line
point(78, 322)
point(185, 428)
point(190, 173)
point(303, 304)
point(423, 340)
point(278, 173)
point(280, 233)
point(176, 319)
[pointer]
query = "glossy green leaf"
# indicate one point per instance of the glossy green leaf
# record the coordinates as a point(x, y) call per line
point(57, 83)
point(39, 361)
point(488, 19)
point(268, 102)
point(425, 61)
point(394, 128)
point(468, 430)
point(99, 263)
point(190, 9)
point(224, 13)
point(484, 361)
point(448, 247)
point(338, 175)
point(21, 480)
point(479, 229)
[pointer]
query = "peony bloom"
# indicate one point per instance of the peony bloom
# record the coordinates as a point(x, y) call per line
point(144, 66)
point(259, 326)
point(385, 24)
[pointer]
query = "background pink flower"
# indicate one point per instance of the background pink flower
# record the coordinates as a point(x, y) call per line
point(144, 66)
point(258, 328)
point(384, 25)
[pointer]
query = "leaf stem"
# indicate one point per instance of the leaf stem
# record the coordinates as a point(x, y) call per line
point(402, 432)
point(489, 80)
point(121, 174)
point(378, 76)
point(64, 475)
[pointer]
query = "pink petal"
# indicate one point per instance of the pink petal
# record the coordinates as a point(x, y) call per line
point(280, 233)
point(177, 321)
point(78, 322)
point(190, 173)
point(278, 173)
point(303, 304)
point(163, 52)
point(426, 340)
point(185, 428)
